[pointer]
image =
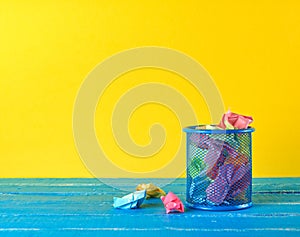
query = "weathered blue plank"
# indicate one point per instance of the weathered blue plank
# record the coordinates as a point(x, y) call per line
point(72, 207)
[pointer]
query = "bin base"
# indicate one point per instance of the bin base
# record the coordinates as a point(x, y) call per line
point(219, 208)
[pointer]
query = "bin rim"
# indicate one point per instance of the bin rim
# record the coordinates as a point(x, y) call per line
point(192, 129)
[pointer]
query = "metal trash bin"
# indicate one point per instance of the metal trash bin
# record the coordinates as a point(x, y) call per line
point(219, 168)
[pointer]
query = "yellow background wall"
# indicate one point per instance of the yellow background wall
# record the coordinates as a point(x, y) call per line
point(47, 48)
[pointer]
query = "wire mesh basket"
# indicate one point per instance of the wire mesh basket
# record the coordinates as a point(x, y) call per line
point(219, 168)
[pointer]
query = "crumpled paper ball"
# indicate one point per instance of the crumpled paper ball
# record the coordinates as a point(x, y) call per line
point(152, 191)
point(172, 203)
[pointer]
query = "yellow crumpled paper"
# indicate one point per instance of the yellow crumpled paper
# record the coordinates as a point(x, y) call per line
point(152, 191)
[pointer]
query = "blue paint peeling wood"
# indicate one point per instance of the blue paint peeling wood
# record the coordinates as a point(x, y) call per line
point(83, 207)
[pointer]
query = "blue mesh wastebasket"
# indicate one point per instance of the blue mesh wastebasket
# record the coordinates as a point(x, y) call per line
point(219, 168)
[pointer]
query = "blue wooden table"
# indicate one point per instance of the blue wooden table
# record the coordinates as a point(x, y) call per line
point(83, 207)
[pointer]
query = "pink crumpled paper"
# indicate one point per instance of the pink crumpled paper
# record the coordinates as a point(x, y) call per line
point(172, 203)
point(232, 120)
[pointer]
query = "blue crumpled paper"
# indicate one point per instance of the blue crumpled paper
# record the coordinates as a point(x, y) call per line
point(130, 201)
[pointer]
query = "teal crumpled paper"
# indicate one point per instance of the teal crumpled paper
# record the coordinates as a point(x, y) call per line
point(130, 201)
